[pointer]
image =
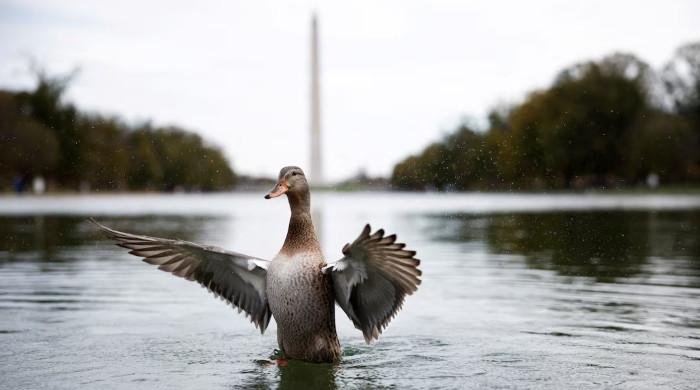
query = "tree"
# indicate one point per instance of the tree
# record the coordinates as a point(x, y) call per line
point(45, 105)
point(145, 169)
point(103, 153)
point(41, 134)
point(662, 145)
point(600, 123)
point(682, 81)
point(681, 77)
point(29, 148)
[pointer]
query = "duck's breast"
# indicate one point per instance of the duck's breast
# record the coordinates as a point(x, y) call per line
point(300, 298)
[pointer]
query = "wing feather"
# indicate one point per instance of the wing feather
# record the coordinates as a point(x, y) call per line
point(372, 280)
point(235, 278)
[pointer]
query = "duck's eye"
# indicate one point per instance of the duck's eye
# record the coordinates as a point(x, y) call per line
point(295, 173)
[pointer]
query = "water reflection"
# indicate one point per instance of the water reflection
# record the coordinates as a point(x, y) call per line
point(47, 238)
point(604, 246)
point(301, 375)
point(536, 299)
point(36, 233)
point(291, 375)
point(601, 245)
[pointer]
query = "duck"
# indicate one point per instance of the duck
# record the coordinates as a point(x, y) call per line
point(297, 288)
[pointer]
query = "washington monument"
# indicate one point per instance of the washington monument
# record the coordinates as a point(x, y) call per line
point(316, 178)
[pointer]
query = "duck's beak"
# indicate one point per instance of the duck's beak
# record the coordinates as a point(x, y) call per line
point(279, 189)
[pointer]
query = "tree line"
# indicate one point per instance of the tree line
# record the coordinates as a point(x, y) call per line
point(41, 136)
point(615, 122)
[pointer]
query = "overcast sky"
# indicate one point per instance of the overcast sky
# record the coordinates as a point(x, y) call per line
point(396, 75)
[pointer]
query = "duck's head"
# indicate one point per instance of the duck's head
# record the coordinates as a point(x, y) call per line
point(291, 181)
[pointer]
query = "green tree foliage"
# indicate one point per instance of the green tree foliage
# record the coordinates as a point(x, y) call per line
point(682, 81)
point(28, 147)
point(599, 124)
point(588, 117)
point(42, 135)
point(45, 106)
point(661, 145)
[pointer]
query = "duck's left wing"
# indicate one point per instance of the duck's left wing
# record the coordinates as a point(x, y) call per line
point(372, 280)
point(236, 278)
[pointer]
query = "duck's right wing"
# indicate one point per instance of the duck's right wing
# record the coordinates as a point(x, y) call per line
point(236, 278)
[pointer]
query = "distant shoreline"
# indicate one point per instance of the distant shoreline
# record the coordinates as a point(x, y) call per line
point(669, 190)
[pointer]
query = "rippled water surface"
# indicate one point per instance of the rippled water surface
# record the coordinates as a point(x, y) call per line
point(519, 291)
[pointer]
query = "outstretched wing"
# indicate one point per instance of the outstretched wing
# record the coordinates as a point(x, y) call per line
point(233, 277)
point(372, 280)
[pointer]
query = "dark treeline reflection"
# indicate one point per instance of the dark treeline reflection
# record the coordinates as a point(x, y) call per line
point(604, 245)
point(47, 238)
point(293, 375)
point(601, 245)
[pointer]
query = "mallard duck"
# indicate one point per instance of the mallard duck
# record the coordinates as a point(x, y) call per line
point(298, 288)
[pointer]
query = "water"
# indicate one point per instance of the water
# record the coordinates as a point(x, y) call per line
point(519, 291)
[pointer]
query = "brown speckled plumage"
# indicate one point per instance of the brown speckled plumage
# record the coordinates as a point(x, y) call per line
point(297, 287)
point(301, 301)
point(300, 295)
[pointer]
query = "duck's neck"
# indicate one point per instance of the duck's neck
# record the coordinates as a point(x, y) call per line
point(301, 235)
